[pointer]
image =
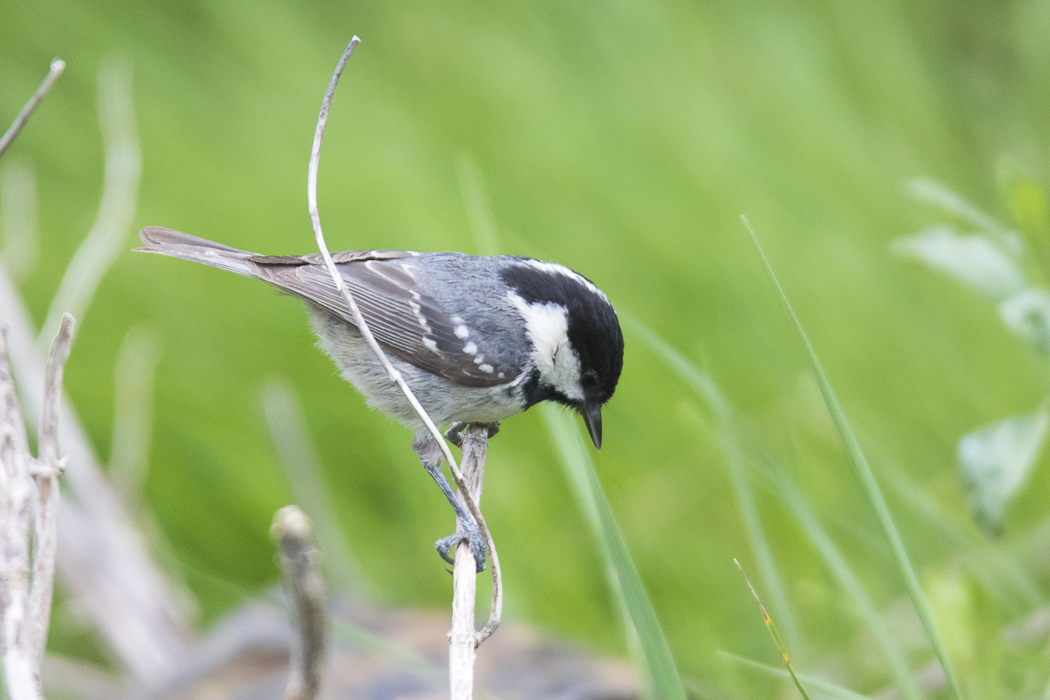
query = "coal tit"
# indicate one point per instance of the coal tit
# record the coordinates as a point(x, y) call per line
point(478, 339)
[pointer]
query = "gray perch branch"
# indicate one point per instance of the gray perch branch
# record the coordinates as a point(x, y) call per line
point(302, 577)
point(463, 638)
point(28, 522)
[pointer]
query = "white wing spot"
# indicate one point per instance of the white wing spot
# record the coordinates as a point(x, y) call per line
point(489, 369)
point(462, 332)
point(430, 344)
point(479, 359)
point(470, 348)
point(417, 310)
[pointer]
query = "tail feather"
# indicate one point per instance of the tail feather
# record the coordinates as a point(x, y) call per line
point(166, 241)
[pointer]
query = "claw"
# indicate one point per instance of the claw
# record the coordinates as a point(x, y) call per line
point(454, 434)
point(447, 545)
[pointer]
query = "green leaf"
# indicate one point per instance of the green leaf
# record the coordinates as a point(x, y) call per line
point(1028, 315)
point(974, 260)
point(1031, 212)
point(867, 479)
point(996, 461)
point(973, 629)
point(624, 580)
point(950, 202)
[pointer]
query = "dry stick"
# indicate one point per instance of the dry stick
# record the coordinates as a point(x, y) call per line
point(57, 66)
point(302, 576)
point(48, 467)
point(25, 602)
point(101, 556)
point(311, 192)
point(463, 639)
point(16, 642)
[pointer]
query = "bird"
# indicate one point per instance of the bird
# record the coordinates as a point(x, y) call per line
point(477, 338)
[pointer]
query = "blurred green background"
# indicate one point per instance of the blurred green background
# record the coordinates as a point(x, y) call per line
point(623, 139)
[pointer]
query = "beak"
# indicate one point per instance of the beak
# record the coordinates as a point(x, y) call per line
point(592, 416)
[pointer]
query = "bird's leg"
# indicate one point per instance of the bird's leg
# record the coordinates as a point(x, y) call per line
point(430, 455)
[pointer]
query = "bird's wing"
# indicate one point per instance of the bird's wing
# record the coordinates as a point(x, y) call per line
point(409, 323)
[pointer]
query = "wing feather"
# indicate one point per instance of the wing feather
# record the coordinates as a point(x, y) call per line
point(409, 323)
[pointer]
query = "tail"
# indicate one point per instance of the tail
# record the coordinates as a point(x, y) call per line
point(167, 241)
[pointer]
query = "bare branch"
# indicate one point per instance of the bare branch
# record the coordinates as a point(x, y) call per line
point(101, 557)
point(57, 66)
point(53, 373)
point(463, 639)
point(395, 376)
point(302, 577)
point(48, 468)
point(16, 641)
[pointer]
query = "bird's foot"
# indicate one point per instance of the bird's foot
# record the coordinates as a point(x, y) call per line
point(472, 536)
point(454, 434)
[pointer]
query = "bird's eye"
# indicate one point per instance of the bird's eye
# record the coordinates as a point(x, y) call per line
point(589, 379)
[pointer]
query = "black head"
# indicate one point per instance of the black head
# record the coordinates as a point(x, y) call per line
point(586, 377)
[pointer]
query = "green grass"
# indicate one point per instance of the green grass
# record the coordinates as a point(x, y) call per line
point(641, 621)
point(622, 139)
point(867, 480)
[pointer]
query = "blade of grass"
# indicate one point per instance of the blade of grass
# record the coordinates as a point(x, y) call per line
point(706, 388)
point(866, 477)
point(828, 689)
point(833, 558)
point(773, 632)
point(728, 431)
point(624, 579)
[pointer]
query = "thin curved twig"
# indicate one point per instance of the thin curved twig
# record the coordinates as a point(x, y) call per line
point(496, 610)
point(57, 66)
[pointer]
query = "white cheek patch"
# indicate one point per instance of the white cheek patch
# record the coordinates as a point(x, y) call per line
point(547, 327)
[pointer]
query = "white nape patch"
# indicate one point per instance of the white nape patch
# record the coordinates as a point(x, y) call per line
point(547, 327)
point(430, 344)
point(470, 348)
point(462, 332)
point(487, 368)
point(555, 268)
